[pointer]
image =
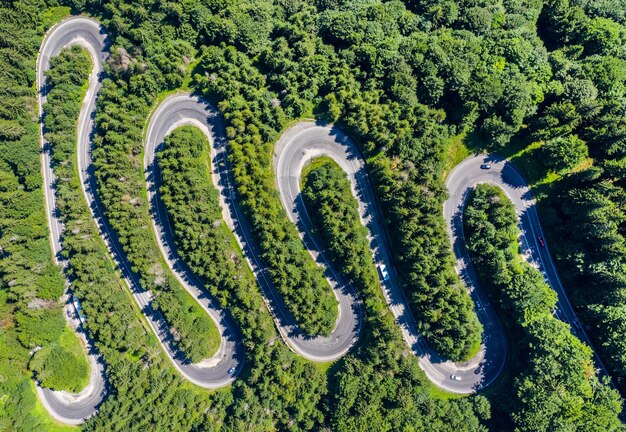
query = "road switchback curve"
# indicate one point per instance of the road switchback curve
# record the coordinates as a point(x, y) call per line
point(184, 109)
point(210, 373)
point(307, 140)
point(503, 174)
point(297, 146)
point(70, 408)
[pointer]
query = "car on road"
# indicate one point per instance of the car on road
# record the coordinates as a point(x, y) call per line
point(231, 370)
point(542, 243)
point(577, 324)
point(455, 377)
point(485, 166)
point(384, 274)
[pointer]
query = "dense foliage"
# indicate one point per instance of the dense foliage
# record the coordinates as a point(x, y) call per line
point(131, 358)
point(30, 284)
point(360, 403)
point(57, 366)
point(335, 216)
point(586, 209)
point(252, 123)
point(380, 386)
point(278, 387)
point(410, 81)
point(442, 305)
point(557, 387)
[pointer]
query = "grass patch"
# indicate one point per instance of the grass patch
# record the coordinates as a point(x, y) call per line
point(455, 151)
point(74, 344)
point(437, 392)
point(54, 15)
point(312, 165)
point(47, 422)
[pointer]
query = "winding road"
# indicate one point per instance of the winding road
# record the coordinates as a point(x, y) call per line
point(67, 407)
point(502, 173)
point(210, 373)
point(308, 140)
point(183, 109)
point(297, 146)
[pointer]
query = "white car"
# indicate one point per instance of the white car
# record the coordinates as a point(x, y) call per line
point(455, 377)
point(384, 274)
point(231, 370)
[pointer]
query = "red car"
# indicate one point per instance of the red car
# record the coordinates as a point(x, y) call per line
point(541, 242)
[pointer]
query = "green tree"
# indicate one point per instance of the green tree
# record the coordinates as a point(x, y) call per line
point(564, 153)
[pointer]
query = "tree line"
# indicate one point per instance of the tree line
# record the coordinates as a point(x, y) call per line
point(57, 366)
point(335, 216)
point(555, 384)
point(366, 383)
point(30, 283)
point(133, 358)
point(405, 80)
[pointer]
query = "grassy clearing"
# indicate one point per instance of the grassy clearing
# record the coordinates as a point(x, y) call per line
point(71, 342)
point(524, 154)
point(455, 151)
point(47, 422)
point(54, 15)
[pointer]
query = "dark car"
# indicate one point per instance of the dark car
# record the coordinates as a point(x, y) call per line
point(485, 166)
point(541, 242)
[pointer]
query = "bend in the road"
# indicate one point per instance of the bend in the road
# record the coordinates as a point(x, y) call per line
point(190, 110)
point(66, 407)
point(70, 408)
point(297, 145)
point(173, 112)
point(307, 140)
point(502, 173)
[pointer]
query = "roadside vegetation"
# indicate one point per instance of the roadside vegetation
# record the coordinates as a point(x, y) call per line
point(273, 374)
point(335, 216)
point(585, 208)
point(30, 284)
point(555, 386)
point(58, 366)
point(357, 399)
point(541, 80)
point(122, 194)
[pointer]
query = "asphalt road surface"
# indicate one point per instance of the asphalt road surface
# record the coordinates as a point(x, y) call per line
point(297, 146)
point(183, 109)
point(210, 373)
point(504, 175)
point(170, 114)
point(307, 140)
point(69, 407)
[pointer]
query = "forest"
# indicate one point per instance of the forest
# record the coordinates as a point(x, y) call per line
point(548, 356)
point(418, 85)
point(334, 213)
